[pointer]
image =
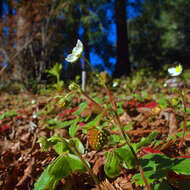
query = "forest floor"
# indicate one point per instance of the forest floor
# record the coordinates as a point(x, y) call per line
point(26, 117)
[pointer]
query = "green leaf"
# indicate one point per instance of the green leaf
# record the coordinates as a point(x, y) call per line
point(162, 102)
point(65, 124)
point(181, 166)
point(55, 70)
point(150, 175)
point(60, 148)
point(146, 141)
point(44, 143)
point(126, 156)
point(60, 168)
point(162, 186)
point(58, 124)
point(114, 139)
point(93, 122)
point(78, 144)
point(120, 111)
point(73, 129)
point(112, 166)
point(81, 108)
point(58, 144)
point(155, 167)
point(75, 163)
point(46, 181)
point(2, 116)
point(8, 114)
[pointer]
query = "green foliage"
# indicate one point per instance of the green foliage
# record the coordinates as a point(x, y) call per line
point(46, 181)
point(156, 167)
point(93, 117)
point(112, 166)
point(66, 163)
point(159, 29)
point(60, 168)
point(8, 114)
point(55, 71)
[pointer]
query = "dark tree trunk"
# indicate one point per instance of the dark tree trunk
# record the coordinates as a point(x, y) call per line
point(122, 66)
point(1, 8)
point(85, 12)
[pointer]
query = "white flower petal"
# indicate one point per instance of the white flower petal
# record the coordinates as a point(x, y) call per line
point(76, 52)
point(175, 71)
point(171, 71)
point(78, 48)
point(71, 58)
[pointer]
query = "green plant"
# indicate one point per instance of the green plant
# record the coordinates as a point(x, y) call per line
point(121, 154)
point(55, 71)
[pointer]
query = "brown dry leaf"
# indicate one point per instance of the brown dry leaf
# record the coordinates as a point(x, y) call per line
point(145, 111)
point(27, 173)
point(98, 164)
point(122, 183)
point(172, 124)
point(105, 185)
point(11, 180)
point(125, 118)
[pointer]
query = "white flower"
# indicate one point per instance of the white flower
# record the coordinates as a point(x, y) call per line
point(33, 102)
point(76, 52)
point(115, 84)
point(175, 71)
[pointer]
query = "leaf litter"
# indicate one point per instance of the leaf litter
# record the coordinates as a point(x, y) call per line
point(22, 160)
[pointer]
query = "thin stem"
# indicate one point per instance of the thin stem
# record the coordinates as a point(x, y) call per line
point(86, 60)
point(75, 150)
point(91, 100)
point(127, 140)
point(185, 119)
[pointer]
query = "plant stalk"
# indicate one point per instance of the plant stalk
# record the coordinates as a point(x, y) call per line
point(127, 140)
point(85, 164)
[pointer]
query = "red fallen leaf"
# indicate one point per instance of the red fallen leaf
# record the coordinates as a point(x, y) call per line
point(73, 110)
point(69, 111)
point(132, 103)
point(81, 124)
point(148, 150)
point(151, 104)
point(4, 128)
point(60, 115)
point(19, 117)
point(139, 105)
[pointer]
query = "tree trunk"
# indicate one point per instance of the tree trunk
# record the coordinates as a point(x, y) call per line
point(122, 66)
point(85, 12)
point(1, 8)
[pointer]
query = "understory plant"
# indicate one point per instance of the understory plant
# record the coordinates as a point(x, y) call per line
point(153, 167)
point(55, 71)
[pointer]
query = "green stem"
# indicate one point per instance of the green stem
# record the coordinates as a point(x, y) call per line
point(86, 60)
point(119, 125)
point(132, 150)
point(127, 140)
point(75, 150)
point(185, 118)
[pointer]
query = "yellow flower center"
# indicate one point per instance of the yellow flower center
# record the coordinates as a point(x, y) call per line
point(178, 68)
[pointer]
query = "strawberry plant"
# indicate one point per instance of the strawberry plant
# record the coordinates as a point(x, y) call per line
point(99, 122)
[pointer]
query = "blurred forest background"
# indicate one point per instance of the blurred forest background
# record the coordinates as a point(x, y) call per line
point(34, 35)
